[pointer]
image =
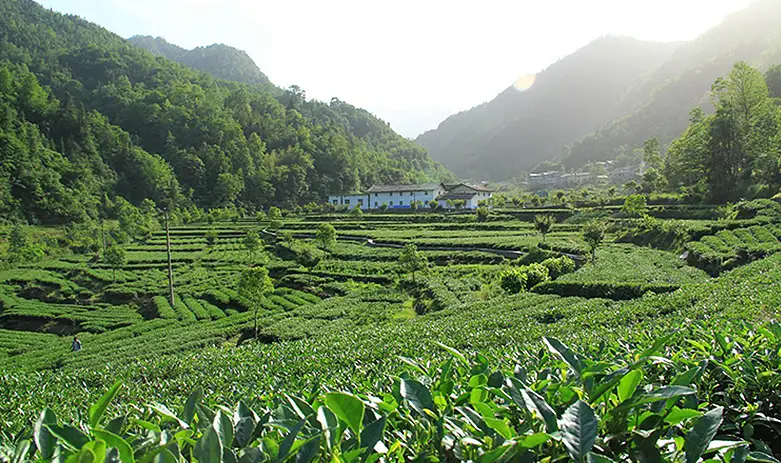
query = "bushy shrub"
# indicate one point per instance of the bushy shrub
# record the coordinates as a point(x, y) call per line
point(211, 237)
point(757, 208)
point(521, 279)
point(535, 274)
point(635, 206)
point(558, 266)
point(513, 280)
point(536, 254)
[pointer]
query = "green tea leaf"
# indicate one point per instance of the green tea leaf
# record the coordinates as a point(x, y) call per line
point(116, 442)
point(453, 351)
point(96, 449)
point(208, 447)
point(22, 449)
point(308, 452)
point(243, 431)
point(761, 457)
point(224, 426)
point(68, 435)
point(738, 455)
point(537, 406)
point(97, 410)
point(704, 430)
point(329, 424)
point(286, 445)
point(164, 412)
point(662, 393)
point(656, 347)
point(503, 453)
point(500, 426)
point(189, 406)
point(535, 440)
point(678, 415)
point(417, 395)
point(371, 435)
point(347, 408)
point(628, 384)
point(579, 430)
point(44, 439)
point(569, 357)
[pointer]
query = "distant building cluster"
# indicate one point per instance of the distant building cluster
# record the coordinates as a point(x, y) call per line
point(447, 196)
point(603, 173)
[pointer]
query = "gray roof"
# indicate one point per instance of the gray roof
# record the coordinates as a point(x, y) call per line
point(395, 188)
point(455, 196)
point(353, 193)
point(477, 187)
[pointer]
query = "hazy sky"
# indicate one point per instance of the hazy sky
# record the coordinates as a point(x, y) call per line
point(411, 62)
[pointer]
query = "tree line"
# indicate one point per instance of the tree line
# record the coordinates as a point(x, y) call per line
point(731, 154)
point(86, 118)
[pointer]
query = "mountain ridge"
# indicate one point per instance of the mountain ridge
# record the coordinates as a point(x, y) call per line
point(596, 75)
point(496, 141)
point(220, 60)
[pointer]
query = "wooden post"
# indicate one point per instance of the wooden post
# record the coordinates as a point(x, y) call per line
point(170, 267)
point(102, 238)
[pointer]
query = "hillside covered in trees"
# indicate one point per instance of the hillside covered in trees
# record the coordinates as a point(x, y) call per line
point(604, 100)
point(219, 60)
point(85, 117)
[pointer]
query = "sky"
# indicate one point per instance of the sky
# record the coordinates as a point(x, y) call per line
point(410, 62)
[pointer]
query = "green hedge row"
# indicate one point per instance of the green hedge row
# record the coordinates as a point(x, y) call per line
point(615, 291)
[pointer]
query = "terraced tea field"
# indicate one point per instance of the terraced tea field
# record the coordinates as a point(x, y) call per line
point(356, 321)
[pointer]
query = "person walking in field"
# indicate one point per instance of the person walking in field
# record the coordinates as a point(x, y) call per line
point(76, 345)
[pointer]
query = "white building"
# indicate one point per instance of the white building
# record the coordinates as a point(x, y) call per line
point(395, 196)
point(350, 200)
point(402, 196)
point(471, 195)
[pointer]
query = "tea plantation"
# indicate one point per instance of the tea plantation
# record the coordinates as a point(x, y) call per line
point(664, 347)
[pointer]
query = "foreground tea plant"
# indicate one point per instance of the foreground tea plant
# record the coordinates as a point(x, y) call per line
point(711, 397)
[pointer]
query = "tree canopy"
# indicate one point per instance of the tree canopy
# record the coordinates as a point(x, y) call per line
point(734, 152)
point(84, 116)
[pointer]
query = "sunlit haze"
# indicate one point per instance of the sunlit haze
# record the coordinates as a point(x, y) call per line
point(411, 62)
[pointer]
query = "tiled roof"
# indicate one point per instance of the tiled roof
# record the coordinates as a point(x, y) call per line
point(395, 188)
point(479, 188)
point(455, 196)
point(473, 187)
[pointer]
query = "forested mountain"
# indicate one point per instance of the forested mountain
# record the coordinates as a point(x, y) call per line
point(517, 130)
point(590, 122)
point(85, 117)
point(219, 60)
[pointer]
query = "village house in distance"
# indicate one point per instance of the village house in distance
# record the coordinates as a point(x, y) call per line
point(402, 196)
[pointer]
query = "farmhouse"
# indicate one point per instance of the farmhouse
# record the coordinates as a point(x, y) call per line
point(471, 195)
point(403, 196)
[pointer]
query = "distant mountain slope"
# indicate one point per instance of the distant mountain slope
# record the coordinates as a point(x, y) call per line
point(518, 130)
point(659, 106)
point(604, 99)
point(219, 60)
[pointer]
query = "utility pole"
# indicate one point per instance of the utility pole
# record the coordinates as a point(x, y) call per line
point(102, 237)
point(170, 267)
